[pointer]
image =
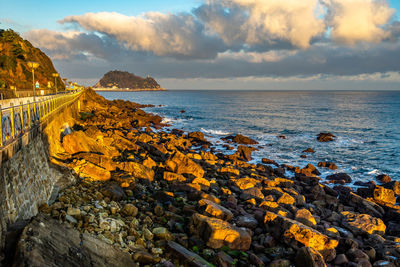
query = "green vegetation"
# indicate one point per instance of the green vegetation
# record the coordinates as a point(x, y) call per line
point(123, 79)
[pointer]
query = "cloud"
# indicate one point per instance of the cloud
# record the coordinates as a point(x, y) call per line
point(354, 21)
point(237, 38)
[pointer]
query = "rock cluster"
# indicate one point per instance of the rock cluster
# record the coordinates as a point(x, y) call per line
point(164, 198)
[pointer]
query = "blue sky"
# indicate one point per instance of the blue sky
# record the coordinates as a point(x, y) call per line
point(194, 44)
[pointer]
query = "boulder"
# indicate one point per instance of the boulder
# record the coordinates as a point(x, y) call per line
point(218, 233)
point(92, 172)
point(215, 210)
point(47, 242)
point(247, 221)
point(269, 161)
point(309, 257)
point(181, 164)
point(383, 178)
point(290, 230)
point(394, 185)
point(339, 177)
point(363, 223)
point(327, 164)
point(382, 194)
point(309, 150)
point(244, 152)
point(138, 170)
point(244, 140)
point(188, 257)
point(246, 183)
point(113, 191)
point(171, 177)
point(325, 137)
point(304, 216)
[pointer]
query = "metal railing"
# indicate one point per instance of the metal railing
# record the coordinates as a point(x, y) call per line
point(19, 119)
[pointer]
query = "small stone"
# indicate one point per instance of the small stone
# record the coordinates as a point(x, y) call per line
point(247, 221)
point(73, 211)
point(71, 219)
point(341, 259)
point(145, 258)
point(130, 210)
point(162, 233)
point(147, 234)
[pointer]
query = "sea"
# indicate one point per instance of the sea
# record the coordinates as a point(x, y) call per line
point(366, 123)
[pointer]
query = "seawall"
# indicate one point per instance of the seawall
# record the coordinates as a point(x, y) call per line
point(28, 179)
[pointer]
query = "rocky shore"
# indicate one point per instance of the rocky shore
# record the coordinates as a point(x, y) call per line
point(146, 196)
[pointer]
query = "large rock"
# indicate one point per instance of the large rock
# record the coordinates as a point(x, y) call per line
point(79, 142)
point(181, 164)
point(92, 172)
point(339, 177)
point(290, 230)
point(138, 170)
point(309, 257)
point(363, 223)
point(244, 140)
point(244, 152)
point(304, 216)
point(384, 195)
point(47, 242)
point(325, 137)
point(215, 210)
point(218, 233)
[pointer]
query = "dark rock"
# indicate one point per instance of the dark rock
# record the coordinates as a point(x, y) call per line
point(383, 178)
point(281, 137)
point(309, 150)
point(269, 161)
point(187, 256)
point(247, 221)
point(244, 152)
point(338, 177)
point(224, 260)
point(113, 191)
point(144, 257)
point(47, 242)
point(327, 164)
point(254, 259)
point(182, 111)
point(241, 139)
point(394, 185)
point(341, 259)
point(325, 137)
point(307, 256)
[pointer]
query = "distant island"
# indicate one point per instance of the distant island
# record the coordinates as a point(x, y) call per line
point(124, 81)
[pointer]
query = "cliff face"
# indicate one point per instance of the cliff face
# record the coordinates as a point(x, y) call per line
point(123, 79)
point(15, 53)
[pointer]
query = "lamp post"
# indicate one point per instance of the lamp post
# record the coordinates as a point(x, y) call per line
point(55, 75)
point(33, 66)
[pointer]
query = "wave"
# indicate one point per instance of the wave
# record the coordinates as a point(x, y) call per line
point(215, 132)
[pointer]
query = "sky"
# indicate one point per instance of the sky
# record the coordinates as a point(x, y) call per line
point(219, 44)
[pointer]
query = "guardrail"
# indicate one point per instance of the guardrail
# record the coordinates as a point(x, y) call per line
point(19, 119)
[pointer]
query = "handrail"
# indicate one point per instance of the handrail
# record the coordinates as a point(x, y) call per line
point(19, 119)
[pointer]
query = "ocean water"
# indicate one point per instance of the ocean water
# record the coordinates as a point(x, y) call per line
point(367, 124)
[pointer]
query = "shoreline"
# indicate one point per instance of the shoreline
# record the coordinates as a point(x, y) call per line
point(164, 198)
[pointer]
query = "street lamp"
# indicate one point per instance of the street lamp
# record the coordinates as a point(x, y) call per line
point(33, 66)
point(55, 75)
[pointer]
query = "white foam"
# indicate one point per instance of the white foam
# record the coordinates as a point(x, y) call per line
point(375, 171)
point(216, 132)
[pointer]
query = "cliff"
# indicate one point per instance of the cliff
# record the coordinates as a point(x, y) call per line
point(124, 80)
point(15, 53)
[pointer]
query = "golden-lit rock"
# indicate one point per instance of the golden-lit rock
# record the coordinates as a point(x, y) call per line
point(138, 170)
point(384, 195)
point(229, 169)
point(149, 163)
point(79, 142)
point(170, 177)
point(289, 230)
point(215, 210)
point(363, 223)
point(208, 156)
point(304, 216)
point(218, 233)
point(286, 199)
point(246, 183)
point(179, 163)
point(92, 172)
point(201, 181)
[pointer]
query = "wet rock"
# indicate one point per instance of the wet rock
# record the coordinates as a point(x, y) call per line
point(288, 229)
point(186, 256)
point(218, 233)
point(215, 210)
point(339, 177)
point(241, 139)
point(309, 150)
point(326, 137)
point(384, 195)
point(198, 136)
point(383, 178)
point(181, 164)
point(363, 223)
point(307, 256)
point(244, 152)
point(269, 161)
point(327, 164)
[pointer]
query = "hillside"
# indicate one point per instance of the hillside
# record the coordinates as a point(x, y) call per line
point(123, 79)
point(15, 52)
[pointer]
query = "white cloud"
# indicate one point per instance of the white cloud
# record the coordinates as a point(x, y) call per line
point(354, 21)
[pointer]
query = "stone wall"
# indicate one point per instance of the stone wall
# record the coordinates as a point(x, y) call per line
point(29, 179)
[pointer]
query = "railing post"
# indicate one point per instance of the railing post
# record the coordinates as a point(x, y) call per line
point(12, 120)
point(29, 115)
